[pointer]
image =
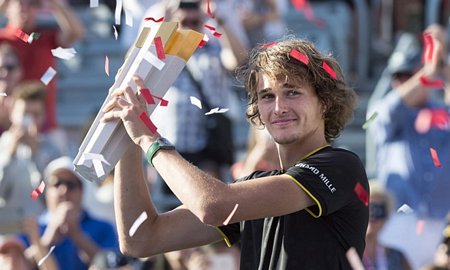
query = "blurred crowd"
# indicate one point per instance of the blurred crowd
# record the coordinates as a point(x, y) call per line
point(395, 52)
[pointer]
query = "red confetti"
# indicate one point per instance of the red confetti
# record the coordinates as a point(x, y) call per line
point(163, 102)
point(440, 119)
point(431, 83)
point(267, 45)
point(202, 42)
point(22, 35)
point(213, 30)
point(147, 122)
point(428, 43)
point(299, 56)
point(298, 4)
point(435, 157)
point(419, 226)
point(153, 19)
point(159, 48)
point(329, 70)
point(208, 9)
point(38, 191)
point(147, 96)
point(362, 194)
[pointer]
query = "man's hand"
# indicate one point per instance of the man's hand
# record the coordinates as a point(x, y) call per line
point(64, 222)
point(129, 107)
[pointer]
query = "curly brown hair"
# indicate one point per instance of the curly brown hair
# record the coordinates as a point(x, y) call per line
point(337, 98)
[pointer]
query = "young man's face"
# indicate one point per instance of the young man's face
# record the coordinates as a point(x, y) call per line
point(10, 73)
point(291, 113)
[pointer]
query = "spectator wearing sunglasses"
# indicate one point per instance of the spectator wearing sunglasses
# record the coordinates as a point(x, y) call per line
point(76, 235)
point(376, 256)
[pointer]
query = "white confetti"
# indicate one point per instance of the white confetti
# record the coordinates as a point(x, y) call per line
point(118, 11)
point(142, 217)
point(48, 75)
point(41, 261)
point(93, 3)
point(154, 61)
point(62, 53)
point(97, 161)
point(3, 94)
point(195, 101)
point(405, 209)
point(354, 260)
point(107, 65)
point(230, 215)
point(128, 17)
point(217, 110)
point(116, 34)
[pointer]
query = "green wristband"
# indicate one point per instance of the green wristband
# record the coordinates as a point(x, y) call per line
point(158, 144)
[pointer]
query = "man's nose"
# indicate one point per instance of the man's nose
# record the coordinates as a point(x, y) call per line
point(280, 105)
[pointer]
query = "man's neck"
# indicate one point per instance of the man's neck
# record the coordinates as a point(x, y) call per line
point(290, 154)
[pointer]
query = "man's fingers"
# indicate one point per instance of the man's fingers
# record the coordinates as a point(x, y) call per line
point(111, 115)
point(131, 96)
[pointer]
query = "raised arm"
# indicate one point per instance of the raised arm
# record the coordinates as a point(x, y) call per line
point(174, 230)
point(71, 28)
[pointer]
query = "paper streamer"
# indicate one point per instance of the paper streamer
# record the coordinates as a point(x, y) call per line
point(431, 83)
point(48, 75)
point(208, 9)
point(196, 102)
point(353, 259)
point(93, 3)
point(41, 261)
point(116, 34)
point(435, 157)
point(162, 102)
point(213, 30)
point(145, 92)
point(22, 35)
point(62, 53)
point(138, 222)
point(107, 65)
point(147, 122)
point(154, 61)
point(128, 17)
point(419, 226)
point(370, 119)
point(267, 45)
point(38, 191)
point(299, 56)
point(118, 11)
point(362, 194)
point(153, 19)
point(217, 110)
point(231, 215)
point(329, 70)
point(405, 209)
point(97, 160)
point(159, 48)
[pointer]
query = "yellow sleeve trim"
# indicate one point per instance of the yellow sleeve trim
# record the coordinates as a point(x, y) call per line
point(225, 238)
point(310, 195)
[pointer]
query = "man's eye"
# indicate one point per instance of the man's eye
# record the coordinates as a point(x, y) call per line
point(266, 96)
point(293, 92)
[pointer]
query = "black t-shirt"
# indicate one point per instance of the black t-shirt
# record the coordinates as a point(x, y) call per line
point(319, 236)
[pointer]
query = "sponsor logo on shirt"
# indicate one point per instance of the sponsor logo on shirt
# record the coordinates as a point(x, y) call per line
point(322, 176)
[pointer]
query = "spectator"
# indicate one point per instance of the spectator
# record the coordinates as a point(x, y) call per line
point(442, 253)
point(306, 215)
point(405, 165)
point(205, 73)
point(77, 236)
point(25, 151)
point(36, 57)
point(10, 75)
point(376, 256)
point(398, 139)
